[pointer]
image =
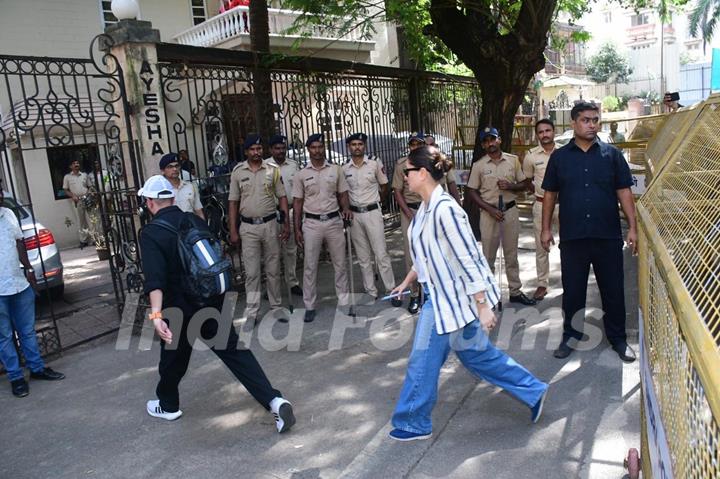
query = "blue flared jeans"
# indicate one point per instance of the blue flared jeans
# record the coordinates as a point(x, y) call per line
point(474, 349)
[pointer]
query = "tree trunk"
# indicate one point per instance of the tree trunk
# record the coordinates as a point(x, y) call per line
point(500, 103)
point(262, 82)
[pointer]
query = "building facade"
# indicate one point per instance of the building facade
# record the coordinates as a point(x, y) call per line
point(65, 29)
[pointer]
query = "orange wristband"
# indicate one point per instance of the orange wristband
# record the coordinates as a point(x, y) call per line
point(157, 315)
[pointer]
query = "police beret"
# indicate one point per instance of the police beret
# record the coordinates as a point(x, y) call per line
point(275, 139)
point(489, 131)
point(356, 136)
point(416, 136)
point(252, 140)
point(315, 137)
point(167, 159)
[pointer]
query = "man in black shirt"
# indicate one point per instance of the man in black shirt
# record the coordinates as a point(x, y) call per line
point(163, 272)
point(589, 178)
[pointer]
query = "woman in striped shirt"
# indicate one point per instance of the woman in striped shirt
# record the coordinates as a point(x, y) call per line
point(458, 312)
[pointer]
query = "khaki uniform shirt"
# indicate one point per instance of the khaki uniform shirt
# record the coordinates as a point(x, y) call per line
point(534, 166)
point(485, 174)
point(319, 187)
point(187, 197)
point(257, 191)
point(364, 181)
point(399, 182)
point(77, 184)
point(287, 170)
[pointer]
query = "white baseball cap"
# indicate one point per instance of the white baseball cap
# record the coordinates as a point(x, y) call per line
point(157, 187)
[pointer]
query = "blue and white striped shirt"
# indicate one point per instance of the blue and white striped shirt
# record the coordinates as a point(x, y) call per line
point(453, 265)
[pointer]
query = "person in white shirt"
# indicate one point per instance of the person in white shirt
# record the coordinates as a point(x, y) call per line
point(187, 197)
point(17, 307)
point(461, 292)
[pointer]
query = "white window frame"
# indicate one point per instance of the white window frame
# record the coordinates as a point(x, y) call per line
point(192, 12)
point(102, 13)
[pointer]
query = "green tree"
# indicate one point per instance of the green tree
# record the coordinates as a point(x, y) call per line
point(608, 64)
point(704, 18)
point(501, 41)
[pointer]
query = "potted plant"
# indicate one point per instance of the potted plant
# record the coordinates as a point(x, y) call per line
point(95, 232)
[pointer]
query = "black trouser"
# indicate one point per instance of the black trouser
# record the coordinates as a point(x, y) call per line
point(606, 258)
point(241, 362)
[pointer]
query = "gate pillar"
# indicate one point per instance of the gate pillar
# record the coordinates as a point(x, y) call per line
point(134, 46)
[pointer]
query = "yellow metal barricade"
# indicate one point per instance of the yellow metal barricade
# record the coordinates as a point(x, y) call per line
point(679, 284)
point(662, 144)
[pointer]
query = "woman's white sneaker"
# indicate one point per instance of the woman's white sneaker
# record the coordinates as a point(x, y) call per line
point(154, 409)
point(283, 413)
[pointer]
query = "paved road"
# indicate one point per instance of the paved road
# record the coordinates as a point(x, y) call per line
point(93, 424)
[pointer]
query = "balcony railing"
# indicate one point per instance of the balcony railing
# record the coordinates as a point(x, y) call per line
point(235, 24)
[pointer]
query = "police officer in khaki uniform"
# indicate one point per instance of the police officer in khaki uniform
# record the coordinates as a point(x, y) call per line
point(255, 186)
point(534, 165)
point(77, 185)
point(288, 169)
point(320, 192)
point(499, 175)
point(409, 202)
point(365, 177)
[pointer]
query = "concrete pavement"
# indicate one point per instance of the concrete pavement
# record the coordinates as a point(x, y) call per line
point(93, 424)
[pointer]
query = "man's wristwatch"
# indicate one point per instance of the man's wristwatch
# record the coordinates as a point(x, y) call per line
point(155, 315)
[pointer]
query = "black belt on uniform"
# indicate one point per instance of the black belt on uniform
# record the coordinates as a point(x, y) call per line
point(258, 221)
point(364, 209)
point(509, 204)
point(326, 217)
point(413, 206)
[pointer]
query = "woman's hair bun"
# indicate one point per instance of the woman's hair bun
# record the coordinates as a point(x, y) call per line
point(441, 161)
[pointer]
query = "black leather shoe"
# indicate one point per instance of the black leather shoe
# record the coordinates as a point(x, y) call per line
point(48, 374)
point(309, 316)
point(20, 388)
point(521, 298)
point(624, 351)
point(396, 302)
point(296, 290)
point(414, 305)
point(563, 351)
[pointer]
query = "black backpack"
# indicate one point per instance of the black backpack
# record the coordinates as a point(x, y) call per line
point(206, 270)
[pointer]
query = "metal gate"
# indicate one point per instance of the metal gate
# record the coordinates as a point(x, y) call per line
point(208, 101)
point(60, 108)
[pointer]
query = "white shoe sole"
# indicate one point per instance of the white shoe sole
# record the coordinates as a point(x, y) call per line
point(540, 410)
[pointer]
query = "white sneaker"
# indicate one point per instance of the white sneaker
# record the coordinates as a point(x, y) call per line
point(283, 413)
point(154, 409)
